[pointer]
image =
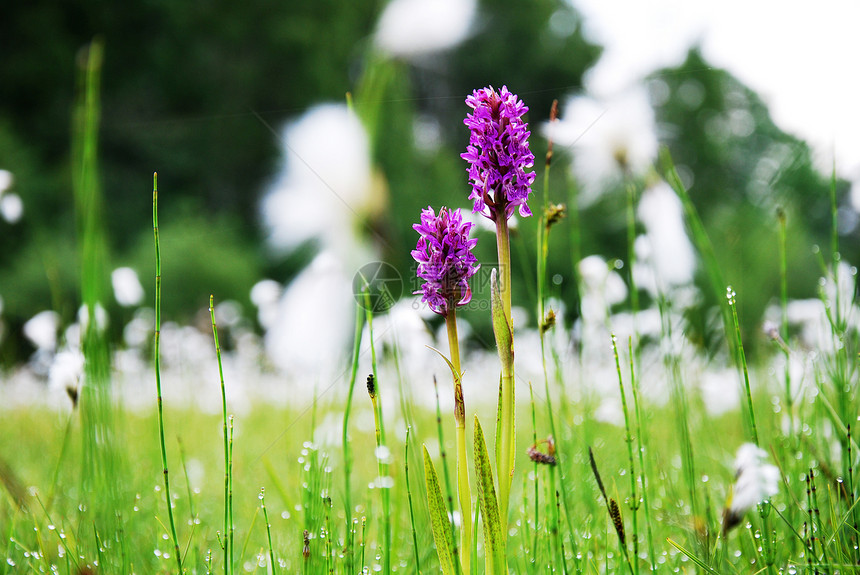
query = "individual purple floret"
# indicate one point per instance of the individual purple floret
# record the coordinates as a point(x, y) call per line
point(498, 153)
point(445, 258)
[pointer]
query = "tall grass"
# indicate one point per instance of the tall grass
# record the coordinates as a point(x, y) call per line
point(159, 398)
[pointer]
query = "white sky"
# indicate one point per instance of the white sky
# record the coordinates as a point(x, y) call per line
point(802, 58)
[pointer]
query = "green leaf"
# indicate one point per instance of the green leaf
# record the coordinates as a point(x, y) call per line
point(458, 377)
point(494, 542)
point(501, 328)
point(439, 517)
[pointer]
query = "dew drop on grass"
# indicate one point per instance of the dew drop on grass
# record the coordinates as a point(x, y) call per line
point(157, 552)
point(10, 562)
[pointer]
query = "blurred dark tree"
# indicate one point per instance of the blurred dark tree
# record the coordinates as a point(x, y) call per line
point(182, 85)
point(740, 168)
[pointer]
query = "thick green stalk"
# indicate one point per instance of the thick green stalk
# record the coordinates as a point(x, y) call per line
point(157, 352)
point(505, 443)
point(463, 489)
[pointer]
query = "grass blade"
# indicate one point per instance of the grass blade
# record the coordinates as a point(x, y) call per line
point(439, 517)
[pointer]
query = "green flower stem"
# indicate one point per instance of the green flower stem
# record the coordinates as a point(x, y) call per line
point(505, 442)
point(463, 489)
point(503, 244)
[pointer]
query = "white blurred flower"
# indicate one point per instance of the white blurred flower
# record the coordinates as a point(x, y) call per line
point(755, 481)
point(811, 315)
point(228, 313)
point(314, 322)
point(719, 389)
point(6, 180)
point(265, 295)
point(325, 185)
point(601, 288)
point(414, 28)
point(404, 327)
point(607, 137)
point(671, 253)
point(139, 330)
point(67, 369)
point(601, 283)
point(11, 208)
point(41, 329)
point(126, 287)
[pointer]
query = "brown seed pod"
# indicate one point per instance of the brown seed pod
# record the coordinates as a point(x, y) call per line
point(371, 386)
point(615, 513)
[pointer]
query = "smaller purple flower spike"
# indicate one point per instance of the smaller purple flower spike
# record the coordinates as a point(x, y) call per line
point(498, 153)
point(445, 259)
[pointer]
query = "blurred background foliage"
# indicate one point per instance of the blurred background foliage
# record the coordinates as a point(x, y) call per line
point(194, 90)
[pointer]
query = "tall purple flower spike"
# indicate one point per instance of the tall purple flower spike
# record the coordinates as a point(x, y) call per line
point(498, 153)
point(445, 258)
